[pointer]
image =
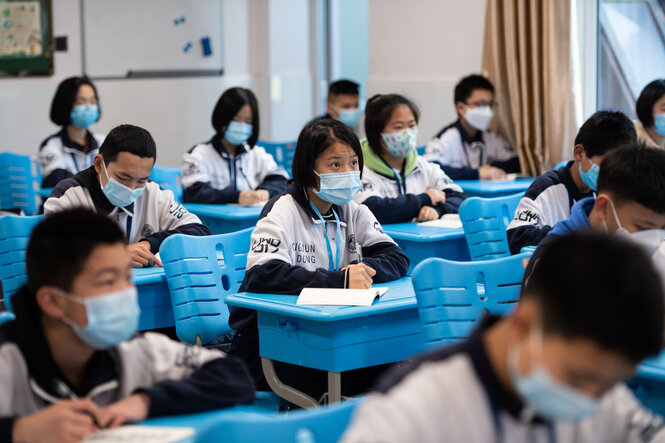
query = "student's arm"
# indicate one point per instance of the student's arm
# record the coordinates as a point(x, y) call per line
point(438, 179)
point(56, 175)
point(453, 201)
point(274, 184)
point(52, 165)
point(526, 235)
point(401, 209)
point(527, 227)
point(509, 166)
point(462, 173)
point(196, 181)
point(273, 178)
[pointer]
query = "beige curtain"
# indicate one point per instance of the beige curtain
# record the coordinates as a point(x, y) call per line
point(527, 57)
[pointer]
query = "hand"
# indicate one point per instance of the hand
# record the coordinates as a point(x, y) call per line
point(427, 213)
point(131, 409)
point(436, 196)
point(360, 276)
point(141, 255)
point(246, 198)
point(488, 172)
point(65, 421)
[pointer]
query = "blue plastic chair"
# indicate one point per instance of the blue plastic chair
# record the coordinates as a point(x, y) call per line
point(453, 296)
point(169, 179)
point(201, 272)
point(14, 235)
point(282, 153)
point(5, 317)
point(485, 221)
point(19, 183)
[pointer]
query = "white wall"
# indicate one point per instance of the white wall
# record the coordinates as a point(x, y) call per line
point(421, 49)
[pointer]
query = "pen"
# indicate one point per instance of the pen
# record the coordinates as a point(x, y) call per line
point(63, 389)
point(359, 253)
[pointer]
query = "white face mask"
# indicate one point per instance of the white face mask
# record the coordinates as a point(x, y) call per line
point(479, 117)
point(649, 240)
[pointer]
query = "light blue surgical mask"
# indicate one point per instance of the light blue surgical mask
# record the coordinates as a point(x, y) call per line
point(402, 142)
point(238, 133)
point(118, 194)
point(112, 318)
point(659, 123)
point(338, 188)
point(590, 178)
point(350, 117)
point(545, 395)
point(84, 115)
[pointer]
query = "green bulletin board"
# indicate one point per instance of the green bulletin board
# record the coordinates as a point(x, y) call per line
point(26, 44)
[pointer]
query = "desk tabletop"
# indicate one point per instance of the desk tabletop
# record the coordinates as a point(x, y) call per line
point(400, 296)
point(520, 184)
point(420, 233)
point(229, 212)
point(142, 276)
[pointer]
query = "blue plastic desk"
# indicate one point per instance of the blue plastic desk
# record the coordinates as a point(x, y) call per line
point(221, 219)
point(494, 188)
point(420, 242)
point(334, 338)
point(154, 298)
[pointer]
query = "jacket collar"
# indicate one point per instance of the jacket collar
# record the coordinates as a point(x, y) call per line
point(567, 179)
point(73, 146)
point(221, 149)
point(465, 135)
point(89, 180)
point(378, 165)
point(300, 196)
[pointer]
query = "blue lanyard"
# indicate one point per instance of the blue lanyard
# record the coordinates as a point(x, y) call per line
point(400, 182)
point(325, 236)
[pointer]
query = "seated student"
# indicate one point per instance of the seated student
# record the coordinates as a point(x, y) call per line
point(70, 362)
point(75, 107)
point(230, 168)
point(551, 195)
point(117, 185)
point(344, 104)
point(398, 184)
point(551, 371)
point(650, 109)
point(308, 237)
point(466, 149)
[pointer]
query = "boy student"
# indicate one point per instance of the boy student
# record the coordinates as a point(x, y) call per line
point(466, 149)
point(552, 371)
point(344, 103)
point(550, 197)
point(68, 362)
point(117, 184)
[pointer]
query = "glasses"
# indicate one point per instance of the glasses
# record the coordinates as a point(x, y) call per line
point(482, 103)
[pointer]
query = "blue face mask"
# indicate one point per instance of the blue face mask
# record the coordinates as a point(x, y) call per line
point(590, 178)
point(112, 318)
point(84, 115)
point(338, 188)
point(118, 194)
point(401, 143)
point(238, 133)
point(350, 117)
point(659, 123)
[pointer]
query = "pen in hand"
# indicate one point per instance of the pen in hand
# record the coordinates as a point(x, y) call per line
point(62, 389)
point(359, 253)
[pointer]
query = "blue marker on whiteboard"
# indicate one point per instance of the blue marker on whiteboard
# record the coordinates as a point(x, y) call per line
point(187, 47)
point(205, 46)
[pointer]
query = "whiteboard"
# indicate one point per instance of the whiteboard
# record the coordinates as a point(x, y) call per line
point(147, 38)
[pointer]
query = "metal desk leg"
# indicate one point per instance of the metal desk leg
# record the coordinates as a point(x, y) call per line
point(286, 392)
point(334, 387)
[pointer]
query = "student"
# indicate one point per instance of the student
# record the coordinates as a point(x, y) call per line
point(650, 109)
point(398, 184)
point(69, 360)
point(344, 104)
point(550, 197)
point(230, 168)
point(117, 184)
point(466, 149)
point(308, 237)
point(552, 371)
point(75, 107)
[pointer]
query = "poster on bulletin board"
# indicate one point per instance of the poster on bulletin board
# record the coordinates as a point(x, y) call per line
point(25, 37)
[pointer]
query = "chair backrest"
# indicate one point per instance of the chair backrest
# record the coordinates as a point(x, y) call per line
point(19, 182)
point(14, 235)
point(421, 149)
point(485, 221)
point(201, 272)
point(319, 425)
point(168, 178)
point(282, 153)
point(453, 296)
point(5, 317)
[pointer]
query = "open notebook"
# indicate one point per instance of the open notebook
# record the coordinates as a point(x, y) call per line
point(339, 297)
point(448, 221)
point(141, 434)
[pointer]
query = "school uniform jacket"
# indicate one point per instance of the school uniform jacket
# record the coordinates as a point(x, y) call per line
point(154, 215)
point(397, 197)
point(547, 201)
point(211, 175)
point(452, 394)
point(60, 157)
point(460, 155)
point(179, 379)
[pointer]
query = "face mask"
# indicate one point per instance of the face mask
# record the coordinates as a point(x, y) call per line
point(338, 188)
point(350, 117)
point(479, 117)
point(112, 317)
point(649, 240)
point(659, 123)
point(402, 142)
point(84, 115)
point(590, 178)
point(238, 133)
point(546, 396)
point(118, 194)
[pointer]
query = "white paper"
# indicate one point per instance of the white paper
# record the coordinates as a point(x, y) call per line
point(141, 434)
point(448, 221)
point(339, 297)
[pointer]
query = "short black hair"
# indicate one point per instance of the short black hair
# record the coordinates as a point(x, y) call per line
point(601, 288)
point(128, 138)
point(635, 173)
point(343, 87)
point(64, 98)
point(62, 242)
point(378, 111)
point(604, 131)
point(317, 136)
point(464, 89)
point(228, 106)
point(651, 93)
